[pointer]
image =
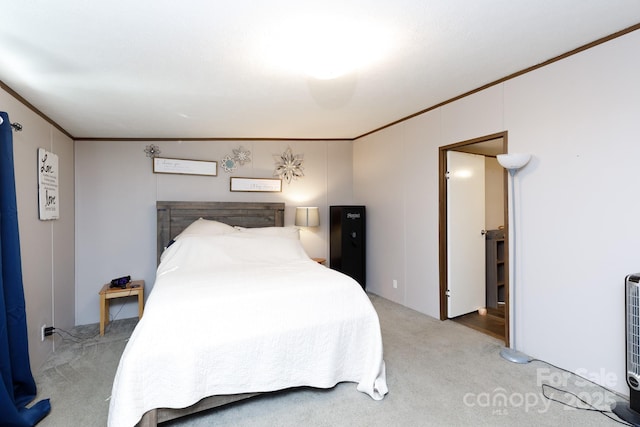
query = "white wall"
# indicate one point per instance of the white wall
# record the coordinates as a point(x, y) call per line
point(46, 247)
point(578, 226)
point(116, 192)
point(578, 211)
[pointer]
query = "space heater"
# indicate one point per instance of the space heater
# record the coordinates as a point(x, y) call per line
point(630, 412)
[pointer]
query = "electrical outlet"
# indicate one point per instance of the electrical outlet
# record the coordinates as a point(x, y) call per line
point(42, 332)
point(395, 284)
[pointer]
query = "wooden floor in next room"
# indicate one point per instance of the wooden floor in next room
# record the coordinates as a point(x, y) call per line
point(491, 323)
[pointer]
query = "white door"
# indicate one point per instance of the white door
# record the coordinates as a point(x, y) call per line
point(465, 233)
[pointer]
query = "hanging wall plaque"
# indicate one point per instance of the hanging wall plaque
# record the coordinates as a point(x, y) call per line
point(185, 166)
point(265, 185)
point(48, 198)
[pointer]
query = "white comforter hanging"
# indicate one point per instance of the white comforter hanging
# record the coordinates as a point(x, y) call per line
point(242, 313)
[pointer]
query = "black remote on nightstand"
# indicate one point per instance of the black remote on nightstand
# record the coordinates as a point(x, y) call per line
point(120, 282)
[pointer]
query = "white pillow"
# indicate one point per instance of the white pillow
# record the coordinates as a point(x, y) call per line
point(287, 232)
point(206, 227)
point(201, 253)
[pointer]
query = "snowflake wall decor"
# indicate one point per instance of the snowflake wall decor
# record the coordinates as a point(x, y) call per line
point(152, 150)
point(241, 156)
point(289, 166)
point(229, 163)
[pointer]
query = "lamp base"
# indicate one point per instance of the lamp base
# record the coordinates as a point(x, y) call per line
point(514, 356)
point(624, 412)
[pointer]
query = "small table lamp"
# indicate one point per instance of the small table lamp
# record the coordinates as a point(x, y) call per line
point(307, 217)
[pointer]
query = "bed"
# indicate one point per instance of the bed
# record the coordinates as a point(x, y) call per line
point(239, 309)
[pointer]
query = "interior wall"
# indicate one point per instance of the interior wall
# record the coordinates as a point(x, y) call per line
point(578, 205)
point(576, 202)
point(116, 192)
point(47, 247)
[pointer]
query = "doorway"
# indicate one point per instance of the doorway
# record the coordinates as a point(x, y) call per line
point(495, 321)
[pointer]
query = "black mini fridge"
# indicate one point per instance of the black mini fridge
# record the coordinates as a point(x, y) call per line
point(347, 241)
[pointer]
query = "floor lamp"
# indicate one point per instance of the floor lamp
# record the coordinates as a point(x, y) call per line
point(513, 163)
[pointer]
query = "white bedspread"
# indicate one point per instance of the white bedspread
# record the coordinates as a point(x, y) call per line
point(235, 314)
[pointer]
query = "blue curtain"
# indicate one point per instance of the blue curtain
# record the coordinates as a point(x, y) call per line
point(18, 388)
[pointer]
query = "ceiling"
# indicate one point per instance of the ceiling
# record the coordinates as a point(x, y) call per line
point(240, 69)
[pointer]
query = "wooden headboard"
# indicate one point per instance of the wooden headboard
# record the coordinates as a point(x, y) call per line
point(173, 217)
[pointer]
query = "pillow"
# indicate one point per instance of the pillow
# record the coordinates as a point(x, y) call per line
point(202, 253)
point(249, 249)
point(194, 253)
point(287, 232)
point(206, 227)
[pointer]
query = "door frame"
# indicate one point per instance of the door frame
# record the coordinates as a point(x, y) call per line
point(442, 223)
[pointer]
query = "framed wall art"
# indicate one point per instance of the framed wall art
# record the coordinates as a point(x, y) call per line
point(185, 166)
point(267, 185)
point(48, 206)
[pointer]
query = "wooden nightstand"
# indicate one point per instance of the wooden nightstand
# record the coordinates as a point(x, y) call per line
point(134, 288)
point(319, 260)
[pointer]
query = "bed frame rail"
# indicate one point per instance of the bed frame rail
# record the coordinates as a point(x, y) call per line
point(160, 415)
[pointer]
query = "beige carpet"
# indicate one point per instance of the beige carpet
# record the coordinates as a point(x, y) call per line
point(439, 374)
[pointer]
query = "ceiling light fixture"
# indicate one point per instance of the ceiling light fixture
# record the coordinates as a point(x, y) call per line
point(326, 48)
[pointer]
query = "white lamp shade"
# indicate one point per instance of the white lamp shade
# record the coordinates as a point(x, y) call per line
point(513, 160)
point(307, 217)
